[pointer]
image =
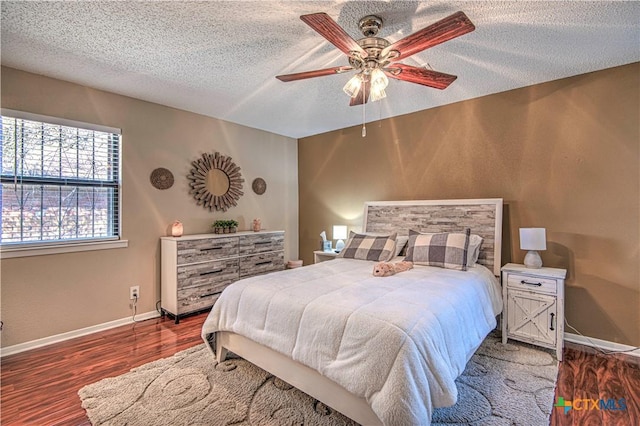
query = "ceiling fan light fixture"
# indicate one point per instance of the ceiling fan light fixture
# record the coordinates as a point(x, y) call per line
point(353, 85)
point(378, 79)
point(377, 94)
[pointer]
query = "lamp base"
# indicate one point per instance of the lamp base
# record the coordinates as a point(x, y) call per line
point(533, 260)
point(339, 246)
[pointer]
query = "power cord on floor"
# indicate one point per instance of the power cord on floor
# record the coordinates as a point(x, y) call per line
point(595, 346)
point(134, 306)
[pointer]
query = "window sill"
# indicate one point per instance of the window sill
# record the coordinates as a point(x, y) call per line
point(12, 252)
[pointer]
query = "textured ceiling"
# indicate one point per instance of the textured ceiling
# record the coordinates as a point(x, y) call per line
point(220, 58)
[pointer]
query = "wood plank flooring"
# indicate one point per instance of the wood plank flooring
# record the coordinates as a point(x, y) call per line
point(587, 375)
point(39, 387)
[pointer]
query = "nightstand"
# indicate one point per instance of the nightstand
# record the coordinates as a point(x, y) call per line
point(533, 306)
point(322, 256)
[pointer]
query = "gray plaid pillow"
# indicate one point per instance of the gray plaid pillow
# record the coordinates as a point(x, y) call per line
point(445, 250)
point(379, 248)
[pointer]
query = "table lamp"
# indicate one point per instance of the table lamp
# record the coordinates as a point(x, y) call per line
point(340, 234)
point(533, 239)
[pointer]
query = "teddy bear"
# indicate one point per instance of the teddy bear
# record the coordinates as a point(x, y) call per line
point(385, 269)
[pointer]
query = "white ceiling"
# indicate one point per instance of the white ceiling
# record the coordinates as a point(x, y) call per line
point(220, 58)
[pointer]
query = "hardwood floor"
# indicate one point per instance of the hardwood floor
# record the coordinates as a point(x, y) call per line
point(586, 375)
point(39, 387)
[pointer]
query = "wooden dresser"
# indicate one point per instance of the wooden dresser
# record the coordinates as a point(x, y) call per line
point(196, 268)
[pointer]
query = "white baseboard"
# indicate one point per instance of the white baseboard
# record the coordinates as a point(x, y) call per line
point(602, 344)
point(38, 343)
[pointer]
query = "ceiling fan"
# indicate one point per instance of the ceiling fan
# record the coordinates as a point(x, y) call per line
point(375, 58)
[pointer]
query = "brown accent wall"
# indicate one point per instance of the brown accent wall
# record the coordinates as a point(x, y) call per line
point(563, 155)
point(44, 296)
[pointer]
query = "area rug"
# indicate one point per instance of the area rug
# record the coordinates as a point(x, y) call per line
point(509, 384)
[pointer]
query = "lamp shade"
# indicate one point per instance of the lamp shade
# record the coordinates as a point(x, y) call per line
point(533, 239)
point(353, 85)
point(339, 232)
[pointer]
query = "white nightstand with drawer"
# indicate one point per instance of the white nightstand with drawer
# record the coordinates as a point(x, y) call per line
point(323, 256)
point(533, 306)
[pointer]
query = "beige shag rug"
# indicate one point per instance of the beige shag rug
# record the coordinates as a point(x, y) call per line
point(501, 385)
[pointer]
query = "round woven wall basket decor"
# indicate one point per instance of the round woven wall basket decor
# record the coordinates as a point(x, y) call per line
point(259, 186)
point(161, 178)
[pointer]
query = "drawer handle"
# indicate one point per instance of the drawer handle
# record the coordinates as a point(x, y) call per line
point(211, 248)
point(263, 263)
point(209, 294)
point(216, 271)
point(262, 242)
point(552, 318)
point(528, 283)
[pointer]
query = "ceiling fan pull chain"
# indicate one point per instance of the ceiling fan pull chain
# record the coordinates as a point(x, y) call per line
point(364, 106)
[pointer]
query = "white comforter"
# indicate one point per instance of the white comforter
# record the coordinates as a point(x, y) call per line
point(399, 341)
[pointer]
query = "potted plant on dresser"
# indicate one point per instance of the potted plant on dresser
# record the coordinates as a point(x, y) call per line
point(225, 226)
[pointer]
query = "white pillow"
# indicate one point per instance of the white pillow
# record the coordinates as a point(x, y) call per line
point(474, 249)
point(401, 242)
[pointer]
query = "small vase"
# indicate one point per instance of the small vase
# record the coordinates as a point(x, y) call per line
point(256, 225)
point(176, 229)
point(232, 230)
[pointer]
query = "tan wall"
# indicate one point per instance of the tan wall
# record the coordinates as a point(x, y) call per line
point(563, 155)
point(47, 295)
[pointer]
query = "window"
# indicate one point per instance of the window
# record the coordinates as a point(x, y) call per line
point(60, 181)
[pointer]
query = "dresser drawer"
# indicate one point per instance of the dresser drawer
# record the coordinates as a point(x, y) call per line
point(191, 251)
point(197, 299)
point(221, 273)
point(525, 282)
point(261, 263)
point(261, 242)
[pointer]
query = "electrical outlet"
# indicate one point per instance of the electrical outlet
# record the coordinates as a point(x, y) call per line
point(134, 292)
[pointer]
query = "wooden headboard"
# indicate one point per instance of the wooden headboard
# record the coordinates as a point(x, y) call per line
point(483, 216)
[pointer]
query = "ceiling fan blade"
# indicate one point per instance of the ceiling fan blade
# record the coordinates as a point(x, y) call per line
point(450, 27)
point(362, 97)
point(435, 79)
point(329, 29)
point(311, 74)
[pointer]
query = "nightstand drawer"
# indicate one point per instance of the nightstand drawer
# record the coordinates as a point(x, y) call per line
point(525, 282)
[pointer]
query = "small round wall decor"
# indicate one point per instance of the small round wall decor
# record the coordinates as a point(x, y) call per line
point(259, 186)
point(161, 178)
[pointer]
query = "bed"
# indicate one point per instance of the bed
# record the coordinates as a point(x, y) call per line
point(378, 350)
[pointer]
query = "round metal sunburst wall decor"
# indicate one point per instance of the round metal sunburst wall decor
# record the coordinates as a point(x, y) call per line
point(161, 178)
point(215, 182)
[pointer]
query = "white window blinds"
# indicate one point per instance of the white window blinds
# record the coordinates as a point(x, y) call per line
point(60, 180)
